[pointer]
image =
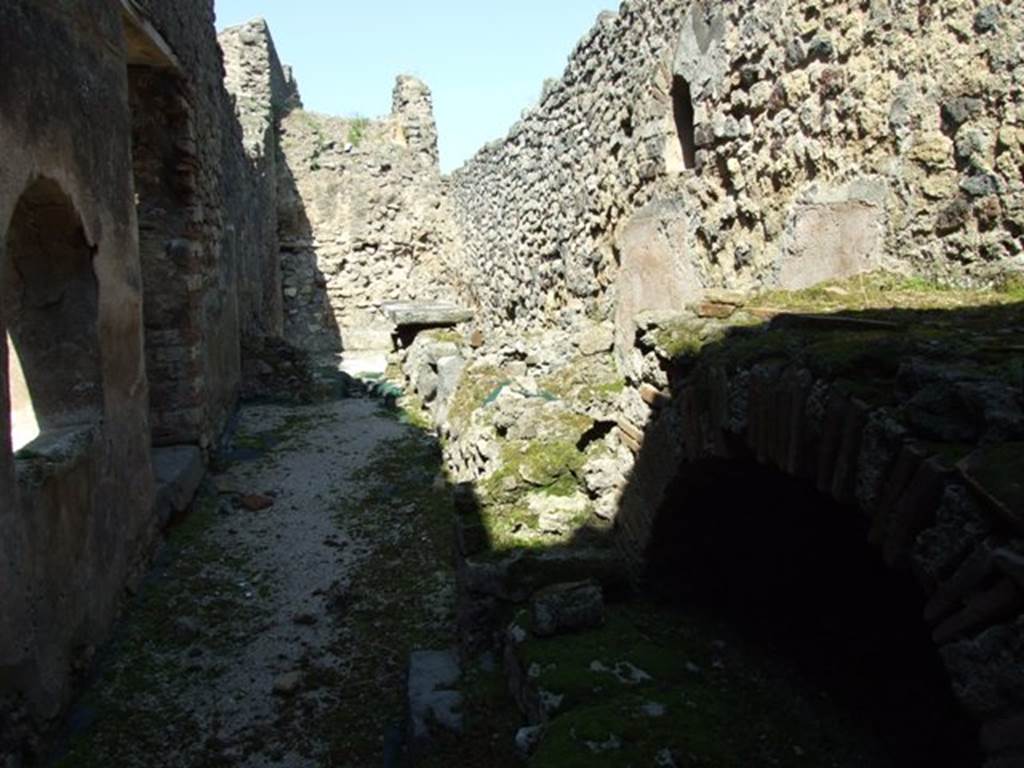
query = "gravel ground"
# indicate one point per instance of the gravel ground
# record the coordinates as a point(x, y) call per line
point(275, 626)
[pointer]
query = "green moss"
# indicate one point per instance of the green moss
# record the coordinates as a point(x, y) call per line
point(476, 384)
point(291, 428)
point(684, 684)
point(403, 592)
point(443, 335)
point(564, 486)
point(585, 381)
point(413, 411)
point(541, 463)
point(514, 526)
point(679, 338)
point(509, 527)
point(490, 722)
point(148, 654)
point(1012, 286)
point(884, 291)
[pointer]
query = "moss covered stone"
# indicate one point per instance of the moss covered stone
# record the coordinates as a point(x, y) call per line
point(651, 687)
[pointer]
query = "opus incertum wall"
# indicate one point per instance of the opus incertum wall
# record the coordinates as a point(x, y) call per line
point(780, 142)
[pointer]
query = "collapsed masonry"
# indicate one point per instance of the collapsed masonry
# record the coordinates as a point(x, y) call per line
point(692, 155)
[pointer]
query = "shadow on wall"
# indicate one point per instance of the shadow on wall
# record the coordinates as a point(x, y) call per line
point(309, 318)
point(784, 553)
point(819, 480)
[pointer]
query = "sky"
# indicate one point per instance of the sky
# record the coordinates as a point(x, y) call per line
point(484, 60)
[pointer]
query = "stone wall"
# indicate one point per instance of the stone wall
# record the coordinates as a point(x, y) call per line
point(363, 219)
point(139, 241)
point(75, 509)
point(861, 408)
point(191, 291)
point(773, 143)
point(263, 92)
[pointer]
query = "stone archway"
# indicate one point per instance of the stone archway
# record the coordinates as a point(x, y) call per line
point(791, 570)
point(919, 516)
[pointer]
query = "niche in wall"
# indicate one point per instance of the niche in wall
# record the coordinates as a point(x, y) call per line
point(50, 311)
point(681, 149)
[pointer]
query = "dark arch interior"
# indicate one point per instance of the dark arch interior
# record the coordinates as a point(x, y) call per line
point(791, 570)
point(50, 310)
point(682, 111)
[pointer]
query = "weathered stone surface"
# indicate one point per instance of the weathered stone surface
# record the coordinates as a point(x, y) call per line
point(287, 684)
point(70, 546)
point(807, 159)
point(686, 147)
point(558, 514)
point(178, 471)
point(596, 339)
point(363, 218)
point(655, 273)
point(434, 702)
point(566, 608)
point(829, 241)
point(988, 670)
point(425, 313)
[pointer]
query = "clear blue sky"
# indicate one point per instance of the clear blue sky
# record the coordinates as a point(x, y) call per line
point(484, 60)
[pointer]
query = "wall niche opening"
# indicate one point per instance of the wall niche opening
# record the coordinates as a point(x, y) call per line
point(681, 151)
point(790, 570)
point(50, 312)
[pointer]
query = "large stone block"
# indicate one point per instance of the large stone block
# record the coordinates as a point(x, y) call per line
point(656, 273)
point(178, 471)
point(831, 240)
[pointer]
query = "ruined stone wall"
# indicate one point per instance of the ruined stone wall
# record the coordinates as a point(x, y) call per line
point(75, 510)
point(778, 142)
point(193, 350)
point(362, 219)
point(263, 91)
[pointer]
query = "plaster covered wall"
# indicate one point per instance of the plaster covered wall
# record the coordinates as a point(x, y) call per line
point(75, 514)
point(826, 138)
point(159, 229)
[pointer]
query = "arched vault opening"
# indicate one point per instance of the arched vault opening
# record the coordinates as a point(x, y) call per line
point(792, 570)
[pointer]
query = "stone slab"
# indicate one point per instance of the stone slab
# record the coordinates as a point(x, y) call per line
point(830, 241)
point(407, 313)
point(373, 363)
point(178, 471)
point(567, 607)
point(997, 473)
point(433, 701)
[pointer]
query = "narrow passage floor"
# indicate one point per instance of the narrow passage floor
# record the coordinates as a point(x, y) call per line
point(275, 626)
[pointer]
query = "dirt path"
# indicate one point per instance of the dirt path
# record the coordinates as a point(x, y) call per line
point(278, 636)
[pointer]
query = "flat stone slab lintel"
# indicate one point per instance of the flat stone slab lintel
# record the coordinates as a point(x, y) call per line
point(406, 313)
